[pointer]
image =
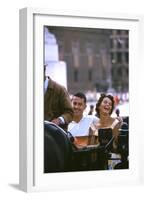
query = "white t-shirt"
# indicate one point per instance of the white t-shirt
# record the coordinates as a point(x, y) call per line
point(82, 127)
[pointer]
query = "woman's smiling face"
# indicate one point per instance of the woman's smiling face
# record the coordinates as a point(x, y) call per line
point(105, 106)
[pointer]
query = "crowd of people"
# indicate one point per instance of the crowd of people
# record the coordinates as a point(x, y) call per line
point(68, 113)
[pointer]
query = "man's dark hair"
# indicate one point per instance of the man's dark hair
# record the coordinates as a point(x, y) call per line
point(81, 95)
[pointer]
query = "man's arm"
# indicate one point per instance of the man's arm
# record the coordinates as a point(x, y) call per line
point(66, 106)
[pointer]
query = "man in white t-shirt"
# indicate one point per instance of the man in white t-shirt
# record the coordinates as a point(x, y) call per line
point(79, 127)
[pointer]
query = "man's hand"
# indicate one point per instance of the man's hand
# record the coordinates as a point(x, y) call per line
point(57, 121)
point(120, 119)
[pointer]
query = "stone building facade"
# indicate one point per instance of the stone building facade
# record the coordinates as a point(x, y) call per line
point(119, 51)
point(96, 59)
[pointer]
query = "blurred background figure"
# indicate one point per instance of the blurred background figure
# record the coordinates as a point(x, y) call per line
point(91, 110)
point(117, 112)
point(116, 100)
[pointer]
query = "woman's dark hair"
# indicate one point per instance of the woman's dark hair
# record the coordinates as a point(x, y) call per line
point(100, 101)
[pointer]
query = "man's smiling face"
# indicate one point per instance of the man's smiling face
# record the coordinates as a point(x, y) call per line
point(78, 105)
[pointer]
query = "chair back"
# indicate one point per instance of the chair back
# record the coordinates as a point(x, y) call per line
point(57, 148)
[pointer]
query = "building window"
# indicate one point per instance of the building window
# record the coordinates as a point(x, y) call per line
point(119, 72)
point(114, 32)
point(127, 72)
point(111, 43)
point(76, 75)
point(119, 57)
point(89, 51)
point(61, 50)
point(75, 52)
point(120, 43)
point(76, 60)
point(114, 43)
point(90, 75)
point(113, 58)
point(126, 57)
point(126, 43)
point(118, 32)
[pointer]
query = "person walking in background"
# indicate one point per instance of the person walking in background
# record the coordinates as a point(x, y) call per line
point(117, 112)
point(91, 110)
point(57, 104)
